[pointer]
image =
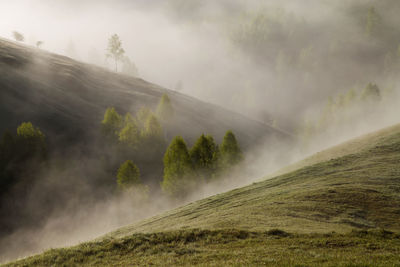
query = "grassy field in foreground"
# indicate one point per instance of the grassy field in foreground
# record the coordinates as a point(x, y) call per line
point(230, 248)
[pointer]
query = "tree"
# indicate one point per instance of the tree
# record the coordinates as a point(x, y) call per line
point(204, 156)
point(129, 135)
point(115, 49)
point(111, 123)
point(128, 175)
point(230, 151)
point(152, 128)
point(165, 110)
point(30, 142)
point(371, 92)
point(19, 37)
point(177, 169)
point(142, 116)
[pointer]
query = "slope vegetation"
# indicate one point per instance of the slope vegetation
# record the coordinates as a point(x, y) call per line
point(337, 209)
point(358, 190)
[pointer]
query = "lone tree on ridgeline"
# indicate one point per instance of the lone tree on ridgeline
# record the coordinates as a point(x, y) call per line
point(230, 150)
point(128, 175)
point(111, 124)
point(165, 110)
point(204, 155)
point(115, 50)
point(19, 37)
point(177, 169)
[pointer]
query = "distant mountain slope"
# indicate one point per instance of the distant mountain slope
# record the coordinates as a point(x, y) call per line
point(67, 99)
point(353, 190)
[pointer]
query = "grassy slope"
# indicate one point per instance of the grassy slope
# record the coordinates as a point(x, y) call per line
point(230, 248)
point(355, 191)
point(360, 190)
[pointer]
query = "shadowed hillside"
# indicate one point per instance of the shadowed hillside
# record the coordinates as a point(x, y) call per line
point(67, 99)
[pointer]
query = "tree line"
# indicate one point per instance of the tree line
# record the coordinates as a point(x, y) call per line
point(183, 168)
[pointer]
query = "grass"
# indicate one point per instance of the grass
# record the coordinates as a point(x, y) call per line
point(230, 248)
point(355, 191)
point(333, 208)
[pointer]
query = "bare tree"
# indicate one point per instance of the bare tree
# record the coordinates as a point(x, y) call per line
point(19, 37)
point(115, 49)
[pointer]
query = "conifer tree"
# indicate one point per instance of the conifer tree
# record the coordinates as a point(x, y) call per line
point(129, 135)
point(111, 123)
point(204, 156)
point(128, 175)
point(152, 129)
point(165, 110)
point(142, 116)
point(230, 151)
point(371, 92)
point(177, 169)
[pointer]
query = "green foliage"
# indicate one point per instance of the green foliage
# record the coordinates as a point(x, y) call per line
point(142, 116)
point(165, 110)
point(230, 151)
point(371, 92)
point(111, 123)
point(204, 155)
point(177, 169)
point(152, 129)
point(129, 135)
point(115, 49)
point(128, 175)
point(30, 141)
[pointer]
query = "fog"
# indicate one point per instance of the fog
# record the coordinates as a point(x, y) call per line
point(312, 51)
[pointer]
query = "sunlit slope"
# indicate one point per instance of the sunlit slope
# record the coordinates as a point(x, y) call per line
point(357, 190)
point(67, 99)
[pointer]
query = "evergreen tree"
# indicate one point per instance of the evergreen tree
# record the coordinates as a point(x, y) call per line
point(165, 110)
point(152, 129)
point(230, 151)
point(204, 155)
point(177, 169)
point(128, 175)
point(371, 92)
point(111, 123)
point(129, 135)
point(142, 116)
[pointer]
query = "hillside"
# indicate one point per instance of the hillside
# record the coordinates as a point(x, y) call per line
point(355, 191)
point(67, 99)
